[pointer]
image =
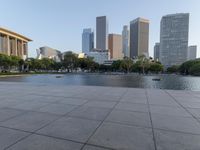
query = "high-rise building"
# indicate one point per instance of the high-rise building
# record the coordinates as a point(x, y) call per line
point(125, 41)
point(157, 52)
point(174, 39)
point(115, 46)
point(192, 52)
point(139, 37)
point(87, 40)
point(102, 33)
point(14, 44)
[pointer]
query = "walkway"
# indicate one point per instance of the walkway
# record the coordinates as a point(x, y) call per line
point(51, 117)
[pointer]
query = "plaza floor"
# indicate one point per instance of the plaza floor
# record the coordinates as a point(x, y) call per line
point(52, 117)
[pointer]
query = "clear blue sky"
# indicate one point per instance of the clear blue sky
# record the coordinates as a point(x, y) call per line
point(59, 23)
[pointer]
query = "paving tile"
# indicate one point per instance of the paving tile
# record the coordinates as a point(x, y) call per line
point(176, 141)
point(8, 103)
point(37, 142)
point(187, 99)
point(9, 137)
point(140, 100)
point(172, 123)
point(7, 113)
point(194, 111)
point(88, 147)
point(132, 107)
point(123, 137)
point(191, 104)
point(130, 118)
point(162, 101)
point(166, 110)
point(30, 121)
point(57, 109)
point(47, 99)
point(101, 104)
point(71, 128)
point(73, 101)
point(90, 113)
point(30, 105)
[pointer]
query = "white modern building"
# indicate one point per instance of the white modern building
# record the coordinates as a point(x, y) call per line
point(99, 56)
point(157, 52)
point(192, 52)
point(174, 39)
point(102, 33)
point(87, 40)
point(125, 41)
point(47, 52)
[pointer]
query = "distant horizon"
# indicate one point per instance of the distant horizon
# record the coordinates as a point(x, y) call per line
point(59, 25)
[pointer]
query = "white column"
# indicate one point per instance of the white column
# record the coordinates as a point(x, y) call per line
point(16, 54)
point(8, 45)
point(22, 49)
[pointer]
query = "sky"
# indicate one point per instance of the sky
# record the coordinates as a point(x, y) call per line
point(59, 23)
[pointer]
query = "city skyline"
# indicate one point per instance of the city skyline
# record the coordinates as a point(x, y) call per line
point(62, 28)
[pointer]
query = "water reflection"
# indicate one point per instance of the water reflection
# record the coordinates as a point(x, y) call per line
point(137, 81)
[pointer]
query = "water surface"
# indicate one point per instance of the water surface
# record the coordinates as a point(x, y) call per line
point(175, 82)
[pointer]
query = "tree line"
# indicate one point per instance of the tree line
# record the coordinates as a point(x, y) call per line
point(191, 67)
point(71, 63)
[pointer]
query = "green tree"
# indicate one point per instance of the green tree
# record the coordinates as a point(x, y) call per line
point(156, 67)
point(4, 62)
point(127, 64)
point(70, 61)
point(116, 65)
point(143, 63)
point(173, 69)
point(195, 69)
point(185, 67)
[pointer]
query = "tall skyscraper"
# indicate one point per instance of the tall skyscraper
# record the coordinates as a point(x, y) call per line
point(192, 52)
point(115, 46)
point(102, 33)
point(157, 52)
point(139, 37)
point(87, 40)
point(125, 41)
point(174, 39)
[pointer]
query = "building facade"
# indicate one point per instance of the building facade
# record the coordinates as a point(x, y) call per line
point(192, 52)
point(47, 52)
point(157, 52)
point(139, 37)
point(102, 33)
point(126, 41)
point(115, 46)
point(174, 39)
point(87, 40)
point(99, 56)
point(13, 44)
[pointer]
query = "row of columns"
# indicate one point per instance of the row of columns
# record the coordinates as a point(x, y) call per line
point(14, 46)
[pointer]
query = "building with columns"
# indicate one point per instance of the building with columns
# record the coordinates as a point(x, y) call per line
point(12, 43)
